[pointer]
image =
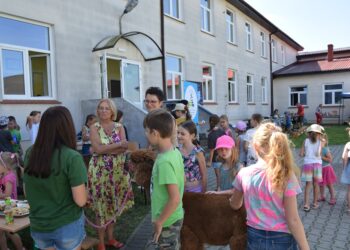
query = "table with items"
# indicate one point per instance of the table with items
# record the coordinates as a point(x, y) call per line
point(19, 215)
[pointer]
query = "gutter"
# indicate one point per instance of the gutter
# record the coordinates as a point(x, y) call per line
point(271, 75)
point(162, 47)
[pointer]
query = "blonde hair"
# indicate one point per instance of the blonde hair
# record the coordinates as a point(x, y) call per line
point(9, 160)
point(272, 145)
point(111, 106)
point(232, 161)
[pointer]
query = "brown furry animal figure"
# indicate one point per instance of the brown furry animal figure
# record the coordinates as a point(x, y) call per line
point(209, 219)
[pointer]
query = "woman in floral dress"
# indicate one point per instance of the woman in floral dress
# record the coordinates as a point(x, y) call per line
point(109, 186)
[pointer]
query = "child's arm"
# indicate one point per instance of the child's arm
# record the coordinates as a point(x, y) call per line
point(294, 223)
point(228, 191)
point(328, 157)
point(8, 190)
point(202, 170)
point(79, 195)
point(85, 135)
point(211, 154)
point(236, 200)
point(99, 148)
point(29, 122)
point(302, 150)
point(169, 208)
point(345, 155)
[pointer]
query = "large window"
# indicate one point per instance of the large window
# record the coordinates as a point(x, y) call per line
point(206, 15)
point(232, 85)
point(273, 50)
point(331, 93)
point(249, 39)
point(173, 77)
point(250, 89)
point(25, 59)
point(263, 44)
point(298, 95)
point(208, 83)
point(283, 55)
point(263, 90)
point(172, 8)
point(230, 27)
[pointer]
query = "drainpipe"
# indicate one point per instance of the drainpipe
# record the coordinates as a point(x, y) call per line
point(271, 78)
point(162, 47)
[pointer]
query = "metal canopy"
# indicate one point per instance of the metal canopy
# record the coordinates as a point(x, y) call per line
point(145, 44)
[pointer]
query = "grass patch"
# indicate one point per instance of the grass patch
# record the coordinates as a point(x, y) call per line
point(125, 226)
point(337, 135)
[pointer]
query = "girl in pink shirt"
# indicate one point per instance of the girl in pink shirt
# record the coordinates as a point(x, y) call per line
point(269, 189)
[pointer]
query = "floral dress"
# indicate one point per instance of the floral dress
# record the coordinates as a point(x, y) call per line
point(109, 186)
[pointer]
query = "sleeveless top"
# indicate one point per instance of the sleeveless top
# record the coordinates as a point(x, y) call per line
point(191, 164)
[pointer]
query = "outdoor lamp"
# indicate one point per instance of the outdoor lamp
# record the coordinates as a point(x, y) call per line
point(129, 7)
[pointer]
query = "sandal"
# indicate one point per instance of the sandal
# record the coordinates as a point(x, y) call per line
point(332, 201)
point(114, 243)
point(322, 198)
point(306, 208)
point(101, 246)
point(315, 206)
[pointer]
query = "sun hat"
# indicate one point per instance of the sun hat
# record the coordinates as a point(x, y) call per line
point(179, 106)
point(4, 120)
point(241, 125)
point(224, 141)
point(315, 128)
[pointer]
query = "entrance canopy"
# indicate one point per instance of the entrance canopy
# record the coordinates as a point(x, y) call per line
point(145, 44)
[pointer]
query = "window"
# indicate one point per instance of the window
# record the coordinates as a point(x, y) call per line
point(250, 89)
point(173, 77)
point(283, 55)
point(171, 8)
point(206, 15)
point(248, 31)
point(232, 85)
point(273, 50)
point(298, 95)
point(263, 90)
point(331, 93)
point(230, 27)
point(207, 83)
point(25, 59)
point(263, 44)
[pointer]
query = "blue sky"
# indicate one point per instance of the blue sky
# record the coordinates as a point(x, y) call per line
point(311, 23)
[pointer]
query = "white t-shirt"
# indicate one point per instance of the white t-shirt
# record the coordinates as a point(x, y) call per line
point(251, 155)
point(312, 152)
point(34, 132)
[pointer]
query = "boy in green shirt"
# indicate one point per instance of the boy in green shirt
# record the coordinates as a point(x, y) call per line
point(168, 179)
point(16, 135)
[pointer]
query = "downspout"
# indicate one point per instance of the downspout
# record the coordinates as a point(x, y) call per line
point(162, 48)
point(271, 78)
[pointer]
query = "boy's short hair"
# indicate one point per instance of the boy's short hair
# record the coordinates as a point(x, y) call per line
point(257, 117)
point(157, 92)
point(161, 121)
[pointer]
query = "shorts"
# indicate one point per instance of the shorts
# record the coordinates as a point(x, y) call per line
point(216, 165)
point(312, 171)
point(169, 239)
point(67, 237)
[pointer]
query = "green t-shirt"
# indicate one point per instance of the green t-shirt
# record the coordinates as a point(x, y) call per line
point(168, 169)
point(16, 137)
point(51, 199)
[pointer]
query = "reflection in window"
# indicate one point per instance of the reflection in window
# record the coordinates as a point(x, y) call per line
point(171, 8)
point(250, 89)
point(206, 15)
point(39, 77)
point(13, 72)
point(298, 95)
point(207, 83)
point(232, 85)
point(332, 93)
point(230, 27)
point(173, 77)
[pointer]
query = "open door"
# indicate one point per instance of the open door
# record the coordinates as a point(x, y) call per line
point(131, 81)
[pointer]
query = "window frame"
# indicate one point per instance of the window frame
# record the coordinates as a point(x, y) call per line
point(173, 74)
point(263, 44)
point(208, 15)
point(324, 91)
point(248, 37)
point(250, 84)
point(207, 78)
point(299, 93)
point(264, 90)
point(171, 14)
point(50, 54)
point(232, 26)
point(283, 55)
point(235, 84)
point(274, 50)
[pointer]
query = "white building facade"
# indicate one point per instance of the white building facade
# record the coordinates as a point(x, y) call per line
point(46, 54)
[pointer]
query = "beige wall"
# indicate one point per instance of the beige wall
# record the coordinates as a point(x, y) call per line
point(314, 95)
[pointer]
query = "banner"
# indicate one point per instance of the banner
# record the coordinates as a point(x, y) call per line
point(192, 95)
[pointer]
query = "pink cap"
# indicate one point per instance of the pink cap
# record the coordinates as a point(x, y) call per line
point(241, 125)
point(225, 141)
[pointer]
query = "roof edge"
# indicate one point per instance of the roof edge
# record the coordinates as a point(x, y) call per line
point(308, 73)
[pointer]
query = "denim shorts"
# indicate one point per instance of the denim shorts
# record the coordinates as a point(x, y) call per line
point(270, 240)
point(67, 237)
point(216, 165)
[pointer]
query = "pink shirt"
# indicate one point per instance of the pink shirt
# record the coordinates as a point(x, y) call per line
point(264, 207)
point(11, 178)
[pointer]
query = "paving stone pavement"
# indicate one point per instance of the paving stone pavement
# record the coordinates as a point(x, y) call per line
point(327, 228)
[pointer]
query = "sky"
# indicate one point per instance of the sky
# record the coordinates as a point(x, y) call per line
point(312, 23)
